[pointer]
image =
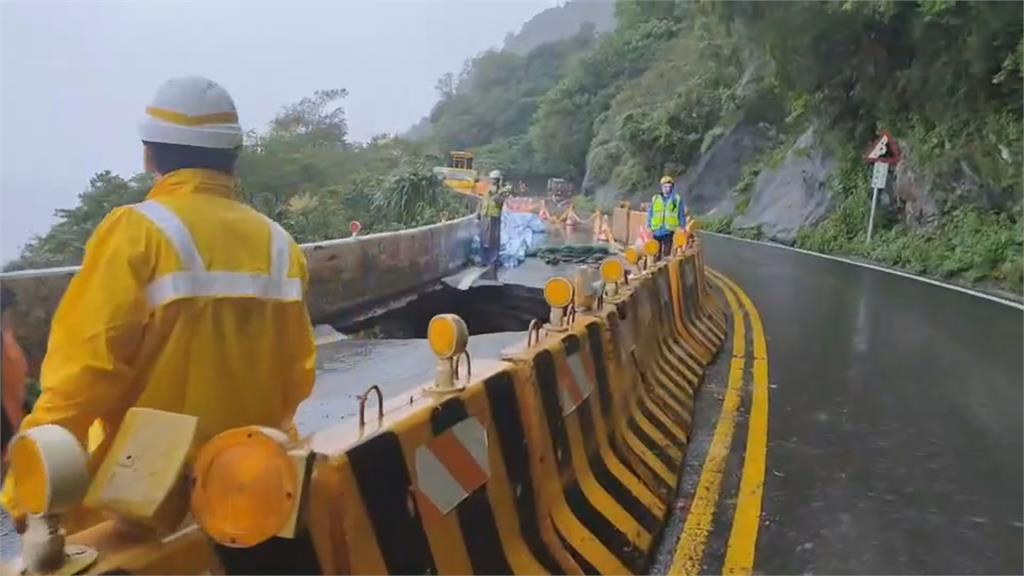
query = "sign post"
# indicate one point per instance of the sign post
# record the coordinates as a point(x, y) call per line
point(883, 152)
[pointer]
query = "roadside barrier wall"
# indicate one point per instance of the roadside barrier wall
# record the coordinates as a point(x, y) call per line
point(345, 276)
point(562, 459)
point(627, 224)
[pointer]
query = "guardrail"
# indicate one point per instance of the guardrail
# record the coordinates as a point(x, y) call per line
point(345, 275)
point(562, 458)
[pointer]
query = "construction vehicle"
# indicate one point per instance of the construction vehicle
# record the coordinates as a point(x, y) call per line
point(560, 189)
point(459, 174)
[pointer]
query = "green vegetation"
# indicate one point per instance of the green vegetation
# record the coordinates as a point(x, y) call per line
point(970, 244)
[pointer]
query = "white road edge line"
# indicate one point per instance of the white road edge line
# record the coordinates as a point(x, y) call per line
point(931, 281)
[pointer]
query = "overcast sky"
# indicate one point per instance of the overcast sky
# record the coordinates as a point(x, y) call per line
point(75, 76)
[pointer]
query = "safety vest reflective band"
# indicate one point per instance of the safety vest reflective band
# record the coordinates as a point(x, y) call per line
point(662, 217)
point(195, 281)
point(491, 207)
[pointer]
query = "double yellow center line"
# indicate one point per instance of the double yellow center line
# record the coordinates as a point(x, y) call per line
point(739, 556)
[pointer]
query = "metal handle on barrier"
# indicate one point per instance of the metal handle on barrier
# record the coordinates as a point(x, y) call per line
point(469, 366)
point(571, 315)
point(362, 404)
point(535, 327)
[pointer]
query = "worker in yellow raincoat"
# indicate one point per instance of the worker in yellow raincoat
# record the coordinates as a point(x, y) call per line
point(189, 302)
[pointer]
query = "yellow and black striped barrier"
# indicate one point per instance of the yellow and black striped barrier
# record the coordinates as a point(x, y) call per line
point(562, 458)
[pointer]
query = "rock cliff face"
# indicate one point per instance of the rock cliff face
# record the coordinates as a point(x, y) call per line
point(708, 184)
point(792, 195)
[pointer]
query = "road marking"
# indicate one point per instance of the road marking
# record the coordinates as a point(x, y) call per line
point(739, 552)
point(990, 297)
point(690, 550)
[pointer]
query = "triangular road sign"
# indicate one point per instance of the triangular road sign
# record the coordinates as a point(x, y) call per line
point(885, 149)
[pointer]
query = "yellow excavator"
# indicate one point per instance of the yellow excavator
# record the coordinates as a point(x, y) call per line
point(459, 174)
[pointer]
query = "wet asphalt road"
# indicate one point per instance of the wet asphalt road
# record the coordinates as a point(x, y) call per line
point(895, 419)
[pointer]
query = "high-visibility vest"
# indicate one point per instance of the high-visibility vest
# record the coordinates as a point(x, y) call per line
point(491, 205)
point(664, 215)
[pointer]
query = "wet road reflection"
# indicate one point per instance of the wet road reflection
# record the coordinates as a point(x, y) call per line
point(895, 429)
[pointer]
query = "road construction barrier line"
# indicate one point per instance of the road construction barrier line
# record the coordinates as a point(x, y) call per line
point(640, 506)
point(472, 530)
point(672, 349)
point(695, 352)
point(687, 334)
point(564, 461)
point(626, 380)
point(613, 526)
point(673, 372)
point(742, 545)
point(689, 306)
point(666, 385)
point(392, 517)
point(658, 453)
point(688, 558)
point(708, 299)
point(662, 339)
point(537, 533)
point(701, 299)
point(657, 410)
point(385, 488)
point(596, 437)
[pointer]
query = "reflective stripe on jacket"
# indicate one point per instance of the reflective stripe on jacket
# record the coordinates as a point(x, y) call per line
point(665, 217)
point(190, 302)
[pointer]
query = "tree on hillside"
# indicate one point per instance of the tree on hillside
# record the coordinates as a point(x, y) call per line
point(316, 121)
point(64, 243)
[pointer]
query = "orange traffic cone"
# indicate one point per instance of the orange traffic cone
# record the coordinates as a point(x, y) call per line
point(544, 214)
point(571, 219)
point(606, 231)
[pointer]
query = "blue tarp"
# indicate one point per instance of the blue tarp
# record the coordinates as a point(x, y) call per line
point(520, 231)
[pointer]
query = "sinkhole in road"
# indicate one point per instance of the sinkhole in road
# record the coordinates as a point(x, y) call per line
point(486, 309)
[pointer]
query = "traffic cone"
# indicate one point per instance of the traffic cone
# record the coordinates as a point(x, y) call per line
point(606, 231)
point(544, 214)
point(570, 217)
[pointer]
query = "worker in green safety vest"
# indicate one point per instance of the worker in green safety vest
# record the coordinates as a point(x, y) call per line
point(490, 218)
point(666, 214)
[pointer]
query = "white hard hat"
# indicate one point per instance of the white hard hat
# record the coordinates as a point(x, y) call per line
point(192, 111)
point(495, 174)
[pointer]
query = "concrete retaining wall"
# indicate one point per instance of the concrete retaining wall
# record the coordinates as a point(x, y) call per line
point(345, 276)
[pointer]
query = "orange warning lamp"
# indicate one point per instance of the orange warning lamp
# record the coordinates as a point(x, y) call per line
point(680, 239)
point(559, 293)
point(49, 470)
point(612, 271)
point(632, 256)
point(651, 248)
point(50, 476)
point(447, 335)
point(246, 486)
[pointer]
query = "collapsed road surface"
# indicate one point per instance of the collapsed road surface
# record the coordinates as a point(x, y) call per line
point(894, 432)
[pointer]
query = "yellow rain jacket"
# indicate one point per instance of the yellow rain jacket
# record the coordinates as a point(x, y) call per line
point(190, 302)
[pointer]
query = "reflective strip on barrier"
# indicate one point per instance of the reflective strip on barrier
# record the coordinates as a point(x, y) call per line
point(575, 386)
point(453, 465)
